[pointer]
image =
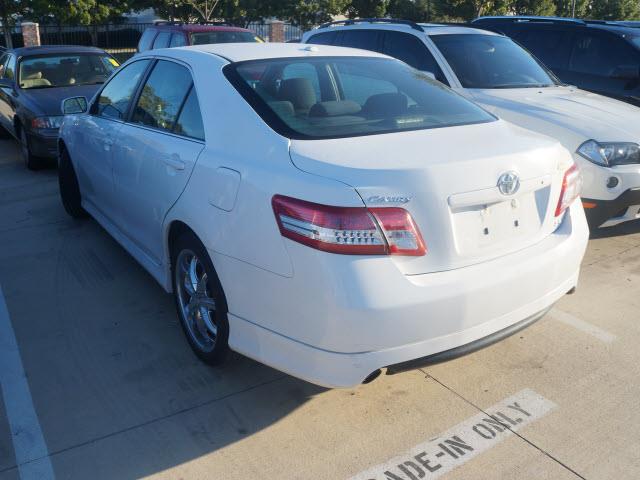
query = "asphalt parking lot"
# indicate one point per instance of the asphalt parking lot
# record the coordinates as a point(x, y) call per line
point(98, 382)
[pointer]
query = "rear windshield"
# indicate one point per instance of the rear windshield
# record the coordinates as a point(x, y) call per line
point(204, 38)
point(491, 61)
point(65, 70)
point(331, 97)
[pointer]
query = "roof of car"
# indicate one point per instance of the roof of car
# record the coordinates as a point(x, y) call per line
point(613, 26)
point(199, 27)
point(238, 52)
point(54, 49)
point(428, 28)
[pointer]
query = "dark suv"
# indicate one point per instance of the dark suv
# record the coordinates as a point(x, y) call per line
point(603, 57)
point(175, 34)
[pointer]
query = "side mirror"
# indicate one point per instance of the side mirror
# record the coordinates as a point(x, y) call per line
point(626, 72)
point(74, 105)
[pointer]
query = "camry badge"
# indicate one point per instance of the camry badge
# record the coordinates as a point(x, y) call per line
point(508, 183)
point(388, 199)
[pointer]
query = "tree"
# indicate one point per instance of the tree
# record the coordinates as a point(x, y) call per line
point(367, 8)
point(615, 9)
point(415, 10)
point(9, 8)
point(533, 7)
point(307, 13)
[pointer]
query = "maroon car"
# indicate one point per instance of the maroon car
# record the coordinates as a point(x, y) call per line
point(175, 34)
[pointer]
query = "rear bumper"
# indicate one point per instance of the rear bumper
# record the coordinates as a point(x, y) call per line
point(337, 321)
point(608, 213)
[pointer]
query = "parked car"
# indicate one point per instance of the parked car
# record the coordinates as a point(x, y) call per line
point(495, 72)
point(177, 34)
point(326, 211)
point(33, 83)
point(602, 57)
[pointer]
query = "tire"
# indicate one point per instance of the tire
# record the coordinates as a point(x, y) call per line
point(30, 161)
point(200, 301)
point(69, 188)
point(4, 134)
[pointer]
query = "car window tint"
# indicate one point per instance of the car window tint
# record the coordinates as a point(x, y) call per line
point(370, 96)
point(365, 39)
point(113, 101)
point(358, 84)
point(178, 40)
point(411, 50)
point(162, 40)
point(303, 70)
point(547, 45)
point(599, 54)
point(10, 68)
point(221, 36)
point(326, 38)
point(147, 39)
point(162, 96)
point(189, 122)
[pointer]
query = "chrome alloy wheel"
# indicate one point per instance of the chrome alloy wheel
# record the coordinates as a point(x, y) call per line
point(197, 306)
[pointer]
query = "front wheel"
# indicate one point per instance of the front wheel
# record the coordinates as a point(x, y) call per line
point(200, 301)
point(69, 188)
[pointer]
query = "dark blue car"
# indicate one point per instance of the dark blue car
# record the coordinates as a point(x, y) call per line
point(33, 83)
point(602, 57)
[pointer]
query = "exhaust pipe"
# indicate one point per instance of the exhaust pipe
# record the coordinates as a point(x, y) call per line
point(372, 376)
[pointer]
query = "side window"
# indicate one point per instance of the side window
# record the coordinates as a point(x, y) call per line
point(326, 38)
point(189, 122)
point(9, 70)
point(3, 60)
point(597, 54)
point(549, 46)
point(178, 40)
point(303, 71)
point(364, 39)
point(162, 96)
point(412, 51)
point(146, 39)
point(162, 40)
point(114, 99)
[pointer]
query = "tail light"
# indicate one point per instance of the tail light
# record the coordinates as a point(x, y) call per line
point(571, 188)
point(348, 230)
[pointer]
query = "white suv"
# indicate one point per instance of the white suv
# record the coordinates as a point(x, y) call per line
point(501, 76)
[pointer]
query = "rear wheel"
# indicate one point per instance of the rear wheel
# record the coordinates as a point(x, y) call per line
point(200, 301)
point(30, 161)
point(69, 188)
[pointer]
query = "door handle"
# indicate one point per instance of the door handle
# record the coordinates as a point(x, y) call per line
point(174, 162)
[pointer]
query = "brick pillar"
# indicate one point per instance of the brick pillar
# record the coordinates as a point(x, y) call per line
point(276, 31)
point(31, 34)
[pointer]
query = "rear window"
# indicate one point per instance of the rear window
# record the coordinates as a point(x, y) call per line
point(65, 70)
point(332, 97)
point(204, 38)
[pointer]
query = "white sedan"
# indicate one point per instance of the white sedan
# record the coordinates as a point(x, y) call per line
point(326, 211)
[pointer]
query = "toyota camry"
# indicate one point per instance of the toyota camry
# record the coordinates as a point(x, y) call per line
point(330, 212)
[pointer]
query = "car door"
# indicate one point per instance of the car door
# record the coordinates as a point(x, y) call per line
point(7, 93)
point(598, 61)
point(156, 153)
point(96, 134)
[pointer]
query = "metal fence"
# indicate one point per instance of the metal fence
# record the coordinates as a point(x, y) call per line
point(16, 36)
point(122, 39)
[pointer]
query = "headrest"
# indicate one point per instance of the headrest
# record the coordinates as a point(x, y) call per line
point(33, 75)
point(282, 108)
point(298, 91)
point(386, 104)
point(334, 108)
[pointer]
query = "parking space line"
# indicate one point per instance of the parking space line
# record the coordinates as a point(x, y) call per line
point(29, 445)
point(586, 327)
point(437, 456)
